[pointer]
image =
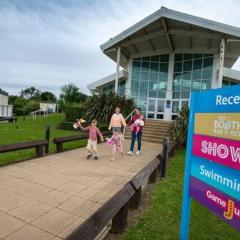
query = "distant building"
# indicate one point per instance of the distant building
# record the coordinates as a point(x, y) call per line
point(166, 56)
point(3, 98)
point(5, 109)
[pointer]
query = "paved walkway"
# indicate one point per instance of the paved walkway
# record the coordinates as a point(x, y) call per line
point(48, 198)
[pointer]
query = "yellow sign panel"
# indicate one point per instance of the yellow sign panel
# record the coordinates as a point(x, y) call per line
point(225, 125)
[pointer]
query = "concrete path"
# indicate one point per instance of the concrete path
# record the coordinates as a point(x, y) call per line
point(48, 198)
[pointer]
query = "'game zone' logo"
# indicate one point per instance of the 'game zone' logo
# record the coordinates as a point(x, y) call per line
point(230, 209)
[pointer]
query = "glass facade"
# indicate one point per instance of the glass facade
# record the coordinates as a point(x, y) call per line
point(226, 83)
point(121, 88)
point(149, 79)
point(109, 88)
point(192, 72)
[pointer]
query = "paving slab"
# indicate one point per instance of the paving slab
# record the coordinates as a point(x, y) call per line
point(49, 197)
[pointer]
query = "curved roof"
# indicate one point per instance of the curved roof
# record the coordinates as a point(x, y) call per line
point(167, 30)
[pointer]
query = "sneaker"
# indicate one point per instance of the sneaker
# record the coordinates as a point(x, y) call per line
point(137, 152)
point(96, 158)
point(89, 156)
point(130, 153)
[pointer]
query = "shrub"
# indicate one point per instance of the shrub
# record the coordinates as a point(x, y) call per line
point(19, 105)
point(101, 106)
point(33, 106)
point(21, 111)
point(66, 125)
point(69, 126)
point(73, 112)
point(180, 126)
point(103, 126)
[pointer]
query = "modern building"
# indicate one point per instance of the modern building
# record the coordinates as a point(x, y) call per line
point(168, 55)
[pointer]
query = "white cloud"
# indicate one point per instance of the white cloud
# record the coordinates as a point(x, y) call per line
point(51, 43)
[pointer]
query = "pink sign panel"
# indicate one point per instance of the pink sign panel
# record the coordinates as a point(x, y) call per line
point(219, 150)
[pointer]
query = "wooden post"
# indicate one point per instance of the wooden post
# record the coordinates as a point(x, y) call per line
point(47, 137)
point(136, 199)
point(39, 151)
point(59, 147)
point(153, 176)
point(119, 221)
point(164, 157)
point(117, 69)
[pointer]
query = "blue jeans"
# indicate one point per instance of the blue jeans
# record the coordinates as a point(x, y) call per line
point(139, 139)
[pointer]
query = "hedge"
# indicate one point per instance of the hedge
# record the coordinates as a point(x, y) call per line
point(73, 112)
point(69, 126)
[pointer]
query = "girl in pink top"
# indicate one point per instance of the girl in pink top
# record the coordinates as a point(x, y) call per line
point(94, 133)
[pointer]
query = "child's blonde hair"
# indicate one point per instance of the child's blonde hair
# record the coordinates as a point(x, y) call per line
point(94, 121)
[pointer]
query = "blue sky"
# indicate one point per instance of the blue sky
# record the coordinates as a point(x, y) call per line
point(49, 43)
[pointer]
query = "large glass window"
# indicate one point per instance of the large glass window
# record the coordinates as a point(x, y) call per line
point(121, 88)
point(108, 88)
point(192, 72)
point(226, 83)
point(149, 78)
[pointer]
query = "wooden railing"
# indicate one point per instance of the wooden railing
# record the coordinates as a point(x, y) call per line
point(38, 145)
point(61, 140)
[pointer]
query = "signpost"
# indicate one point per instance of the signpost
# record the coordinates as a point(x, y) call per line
point(212, 172)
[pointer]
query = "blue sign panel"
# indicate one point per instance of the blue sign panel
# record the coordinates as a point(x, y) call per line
point(212, 168)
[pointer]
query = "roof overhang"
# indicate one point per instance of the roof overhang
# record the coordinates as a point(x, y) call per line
point(106, 80)
point(231, 75)
point(168, 31)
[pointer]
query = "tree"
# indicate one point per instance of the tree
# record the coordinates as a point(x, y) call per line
point(3, 92)
point(48, 97)
point(30, 93)
point(71, 94)
point(20, 105)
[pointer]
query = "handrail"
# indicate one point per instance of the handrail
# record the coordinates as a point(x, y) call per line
point(129, 115)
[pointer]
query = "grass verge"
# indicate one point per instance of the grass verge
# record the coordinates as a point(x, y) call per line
point(30, 130)
point(161, 220)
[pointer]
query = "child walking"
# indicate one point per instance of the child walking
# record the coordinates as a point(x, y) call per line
point(116, 142)
point(94, 133)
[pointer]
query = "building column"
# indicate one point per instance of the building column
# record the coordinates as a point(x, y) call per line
point(214, 83)
point(129, 79)
point(117, 69)
point(218, 65)
point(169, 93)
point(221, 62)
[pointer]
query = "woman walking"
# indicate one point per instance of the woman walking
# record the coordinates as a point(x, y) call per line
point(117, 121)
point(137, 124)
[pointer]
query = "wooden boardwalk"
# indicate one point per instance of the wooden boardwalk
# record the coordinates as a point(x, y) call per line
point(48, 198)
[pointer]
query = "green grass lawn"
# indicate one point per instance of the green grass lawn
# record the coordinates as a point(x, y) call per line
point(30, 130)
point(161, 220)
